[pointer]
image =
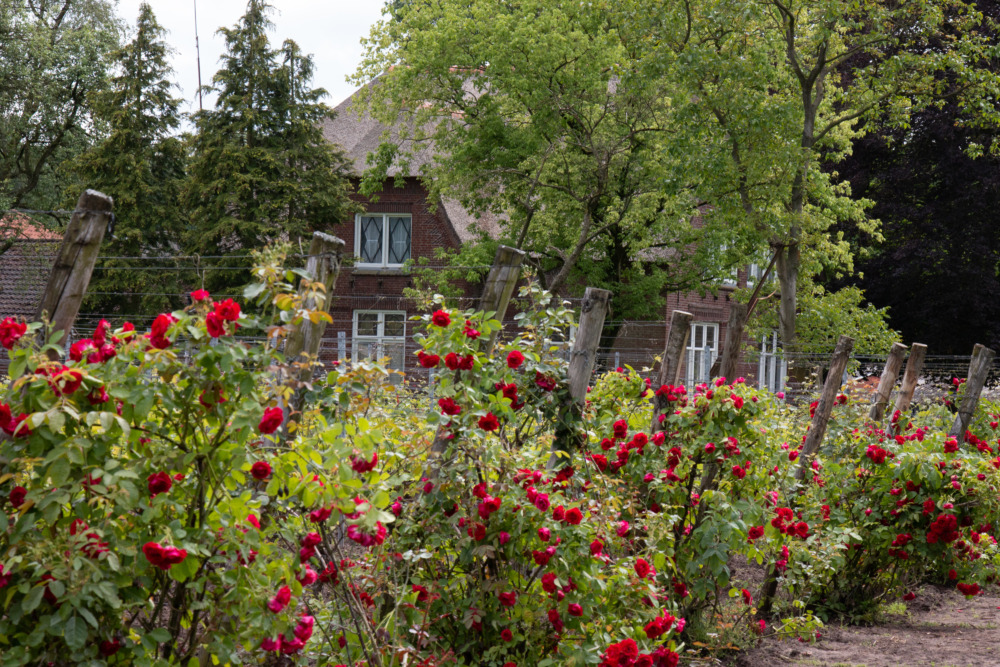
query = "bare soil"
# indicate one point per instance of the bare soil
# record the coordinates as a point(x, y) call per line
point(940, 628)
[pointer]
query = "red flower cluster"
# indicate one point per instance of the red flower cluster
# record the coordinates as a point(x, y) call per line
point(673, 394)
point(359, 464)
point(428, 360)
point(11, 331)
point(271, 420)
point(792, 529)
point(969, 590)
point(754, 533)
point(950, 445)
point(280, 600)
point(457, 363)
point(163, 557)
point(13, 425)
point(63, 381)
point(93, 546)
point(944, 529)
point(489, 422)
point(876, 454)
point(303, 632)
point(544, 382)
point(158, 332)
point(626, 654)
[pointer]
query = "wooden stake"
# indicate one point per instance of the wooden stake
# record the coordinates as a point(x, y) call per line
point(887, 382)
point(979, 368)
point(670, 364)
point(915, 364)
point(75, 262)
point(325, 256)
point(499, 286)
point(594, 311)
point(731, 349)
point(838, 363)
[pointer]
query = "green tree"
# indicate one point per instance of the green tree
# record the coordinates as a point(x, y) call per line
point(773, 99)
point(53, 56)
point(261, 169)
point(549, 116)
point(141, 165)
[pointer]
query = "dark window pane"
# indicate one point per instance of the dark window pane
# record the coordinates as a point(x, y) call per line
point(367, 324)
point(394, 324)
point(399, 240)
point(371, 240)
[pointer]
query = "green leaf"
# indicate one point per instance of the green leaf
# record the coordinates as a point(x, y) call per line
point(75, 632)
point(32, 599)
point(160, 635)
point(59, 471)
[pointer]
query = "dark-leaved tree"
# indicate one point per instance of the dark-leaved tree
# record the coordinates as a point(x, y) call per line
point(141, 165)
point(261, 170)
point(937, 267)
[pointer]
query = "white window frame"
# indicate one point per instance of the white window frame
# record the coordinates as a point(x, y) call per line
point(361, 344)
point(772, 366)
point(384, 264)
point(696, 369)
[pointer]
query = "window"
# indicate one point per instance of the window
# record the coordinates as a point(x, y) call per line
point(380, 333)
point(702, 349)
point(382, 239)
point(771, 368)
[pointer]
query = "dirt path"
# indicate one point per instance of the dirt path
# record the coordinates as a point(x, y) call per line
point(940, 628)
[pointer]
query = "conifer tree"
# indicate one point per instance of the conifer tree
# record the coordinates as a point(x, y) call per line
point(141, 165)
point(261, 169)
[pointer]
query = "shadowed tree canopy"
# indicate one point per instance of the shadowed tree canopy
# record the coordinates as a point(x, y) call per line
point(261, 170)
point(140, 165)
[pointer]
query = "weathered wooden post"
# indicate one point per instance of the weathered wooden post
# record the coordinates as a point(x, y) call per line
point(730, 357)
point(497, 291)
point(593, 312)
point(670, 364)
point(325, 256)
point(887, 382)
point(499, 286)
point(979, 368)
point(814, 438)
point(75, 262)
point(303, 344)
point(915, 364)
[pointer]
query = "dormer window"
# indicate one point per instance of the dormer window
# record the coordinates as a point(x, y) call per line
point(382, 240)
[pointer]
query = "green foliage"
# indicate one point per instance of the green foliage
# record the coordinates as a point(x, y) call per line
point(261, 170)
point(141, 166)
point(53, 56)
point(547, 115)
point(824, 316)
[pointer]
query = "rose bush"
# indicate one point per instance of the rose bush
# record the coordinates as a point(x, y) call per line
point(165, 501)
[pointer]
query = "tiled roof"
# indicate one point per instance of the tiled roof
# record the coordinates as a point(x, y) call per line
point(360, 135)
point(24, 271)
point(18, 225)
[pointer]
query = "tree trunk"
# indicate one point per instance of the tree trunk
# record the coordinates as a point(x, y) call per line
point(789, 258)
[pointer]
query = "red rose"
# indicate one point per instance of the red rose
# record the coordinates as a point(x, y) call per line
point(466, 363)
point(280, 600)
point(507, 635)
point(549, 582)
point(216, 325)
point(441, 318)
point(81, 347)
point(271, 420)
point(542, 502)
point(228, 310)
point(508, 599)
point(489, 422)
point(574, 516)
point(620, 429)
point(11, 331)
point(63, 380)
point(159, 482)
point(311, 540)
point(428, 360)
point(260, 470)
point(449, 406)
point(754, 533)
point(200, 295)
point(544, 382)
point(575, 609)
point(555, 620)
point(596, 547)
point(452, 361)
point(109, 647)
point(514, 359)
point(642, 568)
point(17, 495)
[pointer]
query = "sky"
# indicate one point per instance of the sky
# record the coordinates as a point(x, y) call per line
point(329, 30)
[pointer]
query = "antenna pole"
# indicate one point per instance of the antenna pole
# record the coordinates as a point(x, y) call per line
point(197, 50)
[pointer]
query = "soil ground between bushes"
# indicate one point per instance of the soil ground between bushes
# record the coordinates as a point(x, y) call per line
point(940, 628)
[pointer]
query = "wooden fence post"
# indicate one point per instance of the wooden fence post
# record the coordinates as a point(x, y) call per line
point(887, 382)
point(303, 344)
point(979, 368)
point(731, 349)
point(325, 255)
point(915, 364)
point(838, 363)
point(499, 286)
point(75, 262)
point(670, 364)
point(593, 312)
